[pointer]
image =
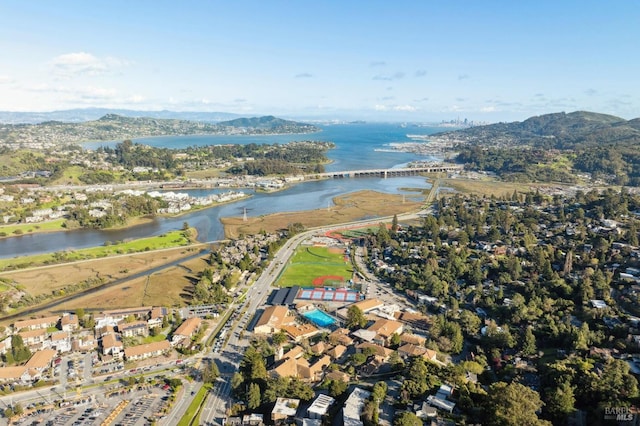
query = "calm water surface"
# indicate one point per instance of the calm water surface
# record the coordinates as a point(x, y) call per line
point(356, 146)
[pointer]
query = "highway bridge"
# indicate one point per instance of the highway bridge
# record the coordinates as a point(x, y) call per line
point(385, 173)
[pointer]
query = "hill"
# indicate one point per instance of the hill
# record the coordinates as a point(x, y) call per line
point(269, 122)
point(79, 115)
point(576, 147)
point(557, 131)
point(116, 127)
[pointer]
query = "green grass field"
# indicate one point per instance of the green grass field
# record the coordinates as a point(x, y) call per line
point(358, 232)
point(308, 263)
point(25, 228)
point(168, 240)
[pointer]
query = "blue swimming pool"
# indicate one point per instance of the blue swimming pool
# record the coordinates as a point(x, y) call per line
point(319, 318)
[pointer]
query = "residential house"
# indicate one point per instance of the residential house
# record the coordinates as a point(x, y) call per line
point(297, 332)
point(365, 335)
point(414, 339)
point(183, 334)
point(156, 317)
point(84, 342)
point(319, 348)
point(147, 350)
point(424, 411)
point(297, 366)
point(337, 375)
point(341, 336)
point(141, 313)
point(337, 351)
point(410, 350)
point(69, 322)
point(5, 345)
point(315, 371)
point(285, 409)
point(36, 324)
point(34, 369)
point(353, 407)
point(253, 419)
point(440, 399)
point(61, 341)
point(385, 329)
point(14, 375)
point(320, 406)
point(376, 350)
point(133, 329)
point(112, 345)
point(273, 319)
point(35, 339)
point(365, 306)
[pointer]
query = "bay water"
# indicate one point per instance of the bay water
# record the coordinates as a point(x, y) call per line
point(358, 146)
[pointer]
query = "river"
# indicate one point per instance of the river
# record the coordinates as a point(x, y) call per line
point(356, 146)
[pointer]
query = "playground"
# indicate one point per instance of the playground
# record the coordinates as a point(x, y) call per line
point(317, 266)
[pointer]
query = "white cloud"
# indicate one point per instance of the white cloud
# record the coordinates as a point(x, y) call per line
point(5, 79)
point(83, 63)
point(488, 109)
point(403, 108)
point(390, 77)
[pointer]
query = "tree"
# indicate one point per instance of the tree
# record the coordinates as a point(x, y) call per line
point(19, 352)
point(355, 318)
point(80, 314)
point(529, 347)
point(236, 381)
point(407, 419)
point(279, 338)
point(358, 359)
point(210, 372)
point(395, 339)
point(560, 402)
point(513, 404)
point(394, 224)
point(337, 387)
point(379, 392)
point(253, 396)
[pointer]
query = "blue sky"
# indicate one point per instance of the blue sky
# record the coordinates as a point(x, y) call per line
point(373, 60)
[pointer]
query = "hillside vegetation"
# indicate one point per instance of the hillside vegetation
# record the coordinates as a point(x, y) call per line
point(116, 127)
point(555, 147)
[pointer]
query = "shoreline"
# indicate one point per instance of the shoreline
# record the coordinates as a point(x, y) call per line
point(347, 207)
point(130, 223)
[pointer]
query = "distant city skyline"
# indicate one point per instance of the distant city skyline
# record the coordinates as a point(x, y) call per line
point(414, 61)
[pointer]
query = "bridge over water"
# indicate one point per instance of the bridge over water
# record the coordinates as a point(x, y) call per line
point(385, 173)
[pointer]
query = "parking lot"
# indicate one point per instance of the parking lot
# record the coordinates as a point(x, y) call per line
point(138, 406)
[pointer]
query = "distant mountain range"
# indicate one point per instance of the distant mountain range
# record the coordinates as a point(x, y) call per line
point(116, 127)
point(557, 130)
point(80, 115)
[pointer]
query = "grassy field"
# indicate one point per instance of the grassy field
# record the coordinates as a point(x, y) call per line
point(168, 240)
point(308, 263)
point(357, 232)
point(70, 176)
point(168, 287)
point(27, 228)
point(348, 207)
